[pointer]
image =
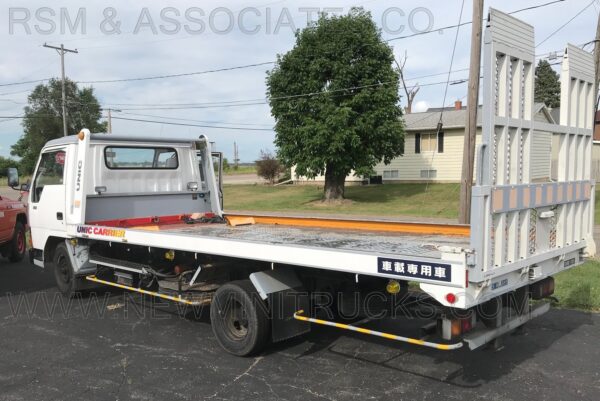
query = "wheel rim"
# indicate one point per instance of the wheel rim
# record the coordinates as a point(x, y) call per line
point(20, 242)
point(64, 270)
point(236, 323)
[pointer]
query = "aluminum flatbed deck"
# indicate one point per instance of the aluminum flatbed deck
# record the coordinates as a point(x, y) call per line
point(374, 243)
point(420, 249)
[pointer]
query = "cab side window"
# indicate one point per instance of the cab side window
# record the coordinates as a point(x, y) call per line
point(50, 171)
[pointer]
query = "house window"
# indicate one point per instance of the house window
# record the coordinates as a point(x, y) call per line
point(429, 174)
point(390, 174)
point(428, 142)
point(431, 142)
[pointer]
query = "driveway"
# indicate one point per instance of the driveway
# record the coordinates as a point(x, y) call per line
point(117, 347)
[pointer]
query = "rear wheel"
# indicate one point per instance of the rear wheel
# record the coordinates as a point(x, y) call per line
point(490, 313)
point(18, 245)
point(66, 281)
point(239, 318)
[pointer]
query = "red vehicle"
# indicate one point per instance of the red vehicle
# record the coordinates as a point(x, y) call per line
point(13, 223)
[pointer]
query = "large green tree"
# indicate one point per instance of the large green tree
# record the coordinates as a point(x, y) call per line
point(547, 85)
point(335, 100)
point(43, 118)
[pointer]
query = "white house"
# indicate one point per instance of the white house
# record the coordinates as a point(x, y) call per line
point(429, 157)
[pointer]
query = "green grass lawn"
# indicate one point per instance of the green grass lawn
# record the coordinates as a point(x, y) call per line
point(577, 288)
point(418, 200)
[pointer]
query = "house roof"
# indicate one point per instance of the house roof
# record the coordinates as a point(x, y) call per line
point(451, 118)
point(428, 120)
point(555, 112)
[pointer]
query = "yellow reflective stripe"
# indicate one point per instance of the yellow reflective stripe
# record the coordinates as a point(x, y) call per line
point(414, 341)
point(146, 292)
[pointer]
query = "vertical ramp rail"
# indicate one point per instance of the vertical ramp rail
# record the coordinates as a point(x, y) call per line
point(518, 225)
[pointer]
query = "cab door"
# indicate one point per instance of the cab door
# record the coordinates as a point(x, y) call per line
point(5, 221)
point(47, 197)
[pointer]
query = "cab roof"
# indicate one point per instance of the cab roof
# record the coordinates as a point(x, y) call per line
point(72, 139)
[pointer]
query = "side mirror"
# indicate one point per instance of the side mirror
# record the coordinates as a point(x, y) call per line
point(25, 187)
point(13, 177)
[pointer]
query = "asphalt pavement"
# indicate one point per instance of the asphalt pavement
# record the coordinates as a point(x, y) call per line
point(117, 346)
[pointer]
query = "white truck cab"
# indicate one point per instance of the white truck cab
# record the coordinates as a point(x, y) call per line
point(85, 177)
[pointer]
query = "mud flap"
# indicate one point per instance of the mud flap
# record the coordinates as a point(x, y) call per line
point(284, 293)
point(482, 337)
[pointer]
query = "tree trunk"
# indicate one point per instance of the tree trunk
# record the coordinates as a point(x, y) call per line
point(334, 184)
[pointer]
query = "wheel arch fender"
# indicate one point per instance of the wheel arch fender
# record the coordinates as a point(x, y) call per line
point(285, 295)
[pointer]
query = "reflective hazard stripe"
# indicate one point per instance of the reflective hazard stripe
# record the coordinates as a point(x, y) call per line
point(444, 347)
point(141, 291)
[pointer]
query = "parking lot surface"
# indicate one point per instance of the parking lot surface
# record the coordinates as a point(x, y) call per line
point(118, 347)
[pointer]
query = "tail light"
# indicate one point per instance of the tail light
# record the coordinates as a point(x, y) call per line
point(452, 328)
point(450, 298)
point(542, 289)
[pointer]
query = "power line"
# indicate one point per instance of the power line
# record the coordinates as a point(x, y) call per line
point(264, 63)
point(261, 101)
point(470, 22)
point(273, 62)
point(185, 74)
point(193, 125)
point(254, 102)
point(440, 122)
point(195, 121)
point(451, 62)
point(25, 82)
point(565, 24)
point(14, 93)
point(8, 119)
point(31, 116)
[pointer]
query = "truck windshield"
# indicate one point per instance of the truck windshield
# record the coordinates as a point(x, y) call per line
point(135, 158)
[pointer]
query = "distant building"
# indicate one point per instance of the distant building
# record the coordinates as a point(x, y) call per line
point(438, 158)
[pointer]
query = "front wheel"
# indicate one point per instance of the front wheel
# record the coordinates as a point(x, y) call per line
point(18, 245)
point(66, 281)
point(239, 318)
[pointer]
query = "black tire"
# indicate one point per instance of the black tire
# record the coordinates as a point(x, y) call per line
point(239, 318)
point(489, 311)
point(64, 275)
point(18, 245)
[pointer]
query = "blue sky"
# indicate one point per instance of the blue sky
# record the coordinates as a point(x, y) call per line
point(143, 53)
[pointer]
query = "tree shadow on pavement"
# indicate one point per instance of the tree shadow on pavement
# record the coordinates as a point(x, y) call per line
point(461, 368)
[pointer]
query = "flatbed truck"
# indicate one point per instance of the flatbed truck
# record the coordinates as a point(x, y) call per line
point(146, 215)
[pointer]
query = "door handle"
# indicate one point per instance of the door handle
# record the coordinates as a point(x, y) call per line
point(59, 216)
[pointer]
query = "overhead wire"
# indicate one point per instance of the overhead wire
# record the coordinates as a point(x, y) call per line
point(565, 24)
point(440, 122)
point(193, 125)
point(267, 62)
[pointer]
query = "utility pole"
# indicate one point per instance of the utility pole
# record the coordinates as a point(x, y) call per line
point(466, 181)
point(61, 51)
point(236, 156)
point(109, 119)
point(109, 125)
point(597, 68)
